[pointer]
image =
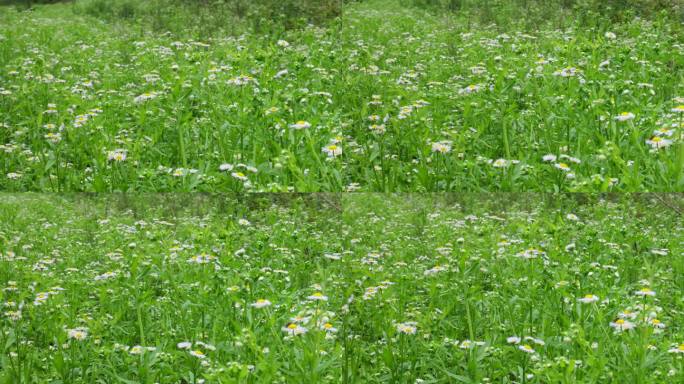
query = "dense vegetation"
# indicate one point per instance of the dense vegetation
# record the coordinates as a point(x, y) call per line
point(387, 98)
point(355, 288)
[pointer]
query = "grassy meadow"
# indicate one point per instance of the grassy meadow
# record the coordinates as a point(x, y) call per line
point(176, 183)
point(384, 96)
point(352, 288)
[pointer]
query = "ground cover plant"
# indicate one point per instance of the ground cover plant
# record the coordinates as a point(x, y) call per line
point(341, 289)
point(384, 97)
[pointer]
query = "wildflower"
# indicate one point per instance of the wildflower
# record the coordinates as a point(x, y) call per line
point(513, 340)
point(572, 217)
point(329, 328)
point(407, 328)
point(657, 142)
point(301, 124)
point(13, 315)
point(239, 175)
point(549, 158)
point(622, 325)
point(610, 35)
point(317, 297)
point(261, 303)
point(587, 299)
point(184, 345)
point(624, 116)
point(294, 329)
point(244, 222)
point(531, 254)
point(434, 270)
point(566, 72)
point(678, 109)
point(664, 131)
point(78, 334)
point(500, 163)
point(526, 348)
point(280, 74)
point(645, 292)
point(136, 350)
point(377, 128)
point(41, 297)
point(332, 150)
point(562, 166)
point(53, 137)
point(678, 349)
point(201, 259)
point(225, 167)
point(535, 340)
point(117, 155)
point(441, 147)
point(472, 88)
point(282, 43)
point(145, 96)
point(657, 323)
point(627, 314)
point(198, 354)
point(240, 80)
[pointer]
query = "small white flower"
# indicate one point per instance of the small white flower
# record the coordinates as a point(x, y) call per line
point(332, 150)
point(587, 299)
point(441, 147)
point(78, 334)
point(225, 167)
point(562, 166)
point(407, 328)
point(622, 325)
point(294, 329)
point(513, 340)
point(328, 328)
point(526, 348)
point(261, 303)
point(184, 345)
point(317, 297)
point(117, 155)
point(624, 116)
point(658, 142)
point(678, 349)
point(501, 163)
point(240, 176)
point(549, 158)
point(645, 292)
point(136, 350)
point(301, 124)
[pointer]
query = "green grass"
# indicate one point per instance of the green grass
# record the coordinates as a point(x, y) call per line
point(413, 61)
point(120, 269)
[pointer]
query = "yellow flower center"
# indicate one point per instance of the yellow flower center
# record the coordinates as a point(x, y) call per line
point(292, 326)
